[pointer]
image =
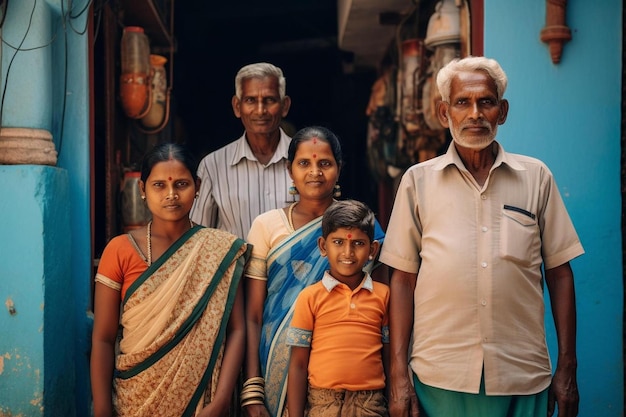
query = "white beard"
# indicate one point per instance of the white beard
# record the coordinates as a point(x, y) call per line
point(473, 142)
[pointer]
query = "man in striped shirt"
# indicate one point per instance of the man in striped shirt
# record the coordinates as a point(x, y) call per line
point(249, 176)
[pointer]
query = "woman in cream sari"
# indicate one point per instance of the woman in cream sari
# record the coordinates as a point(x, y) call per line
point(173, 290)
point(285, 259)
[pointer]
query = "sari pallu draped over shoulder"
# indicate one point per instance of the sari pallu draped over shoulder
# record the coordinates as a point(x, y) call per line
point(174, 320)
point(292, 265)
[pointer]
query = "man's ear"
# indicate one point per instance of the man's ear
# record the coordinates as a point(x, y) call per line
point(442, 113)
point(235, 102)
point(504, 111)
point(321, 244)
point(286, 105)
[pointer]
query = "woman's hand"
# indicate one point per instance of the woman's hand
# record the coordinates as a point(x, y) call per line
point(255, 410)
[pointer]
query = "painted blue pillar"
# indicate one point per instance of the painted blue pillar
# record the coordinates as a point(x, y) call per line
point(45, 69)
point(37, 372)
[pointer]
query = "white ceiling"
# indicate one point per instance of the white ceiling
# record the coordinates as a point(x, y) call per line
point(360, 31)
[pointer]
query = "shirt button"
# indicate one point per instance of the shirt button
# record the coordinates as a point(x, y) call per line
point(483, 302)
point(484, 197)
point(352, 306)
point(484, 228)
point(483, 264)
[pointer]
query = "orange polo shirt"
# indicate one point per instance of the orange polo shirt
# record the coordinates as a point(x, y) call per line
point(345, 330)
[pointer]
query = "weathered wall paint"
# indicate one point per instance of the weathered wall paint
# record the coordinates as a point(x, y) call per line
point(36, 344)
point(569, 116)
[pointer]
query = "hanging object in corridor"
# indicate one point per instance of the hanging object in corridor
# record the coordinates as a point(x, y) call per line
point(410, 70)
point(443, 37)
point(157, 114)
point(134, 210)
point(135, 77)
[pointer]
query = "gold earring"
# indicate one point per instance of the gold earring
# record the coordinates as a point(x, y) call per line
point(337, 191)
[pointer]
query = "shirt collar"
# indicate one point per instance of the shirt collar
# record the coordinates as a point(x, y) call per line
point(329, 282)
point(451, 157)
point(243, 150)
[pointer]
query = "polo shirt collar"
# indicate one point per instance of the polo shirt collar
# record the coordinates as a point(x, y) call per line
point(451, 157)
point(329, 282)
point(243, 150)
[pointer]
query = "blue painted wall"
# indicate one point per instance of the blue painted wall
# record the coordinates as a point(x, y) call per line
point(569, 116)
point(37, 371)
point(48, 88)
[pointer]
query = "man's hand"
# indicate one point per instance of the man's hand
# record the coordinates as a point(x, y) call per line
point(402, 398)
point(564, 393)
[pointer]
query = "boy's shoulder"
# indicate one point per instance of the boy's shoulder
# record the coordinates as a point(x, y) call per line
point(312, 289)
point(381, 289)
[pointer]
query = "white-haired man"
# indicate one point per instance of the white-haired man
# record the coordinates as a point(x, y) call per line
point(468, 236)
point(249, 176)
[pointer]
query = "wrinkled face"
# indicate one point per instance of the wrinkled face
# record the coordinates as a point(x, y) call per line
point(170, 190)
point(348, 250)
point(314, 170)
point(260, 108)
point(474, 112)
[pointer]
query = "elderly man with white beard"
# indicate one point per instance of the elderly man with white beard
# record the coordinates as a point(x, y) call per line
point(473, 235)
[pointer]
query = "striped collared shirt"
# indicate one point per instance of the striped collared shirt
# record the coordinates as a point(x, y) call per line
point(236, 187)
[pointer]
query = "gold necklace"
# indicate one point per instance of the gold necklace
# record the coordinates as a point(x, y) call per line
point(149, 239)
point(290, 214)
point(149, 242)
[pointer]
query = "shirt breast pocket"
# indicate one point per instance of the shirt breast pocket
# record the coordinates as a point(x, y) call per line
point(519, 235)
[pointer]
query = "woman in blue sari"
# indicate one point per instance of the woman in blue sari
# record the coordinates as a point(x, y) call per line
point(285, 259)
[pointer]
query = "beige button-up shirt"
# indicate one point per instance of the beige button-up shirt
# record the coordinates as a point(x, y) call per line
point(478, 253)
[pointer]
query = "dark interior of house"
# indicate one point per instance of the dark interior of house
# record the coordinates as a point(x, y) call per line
point(215, 39)
point(206, 43)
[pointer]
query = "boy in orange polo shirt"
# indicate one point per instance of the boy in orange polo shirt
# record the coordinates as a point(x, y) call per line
point(339, 331)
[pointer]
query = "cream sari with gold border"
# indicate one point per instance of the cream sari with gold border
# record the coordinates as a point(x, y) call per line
point(174, 320)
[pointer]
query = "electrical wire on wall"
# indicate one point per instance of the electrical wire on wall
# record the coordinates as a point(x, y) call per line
point(3, 11)
point(17, 49)
point(66, 21)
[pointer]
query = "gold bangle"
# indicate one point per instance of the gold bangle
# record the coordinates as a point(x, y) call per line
point(249, 395)
point(256, 380)
point(253, 388)
point(251, 402)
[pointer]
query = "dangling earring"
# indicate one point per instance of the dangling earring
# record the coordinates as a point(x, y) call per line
point(293, 190)
point(337, 192)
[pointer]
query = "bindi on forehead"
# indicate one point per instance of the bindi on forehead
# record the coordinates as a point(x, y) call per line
point(169, 178)
point(314, 155)
point(349, 235)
